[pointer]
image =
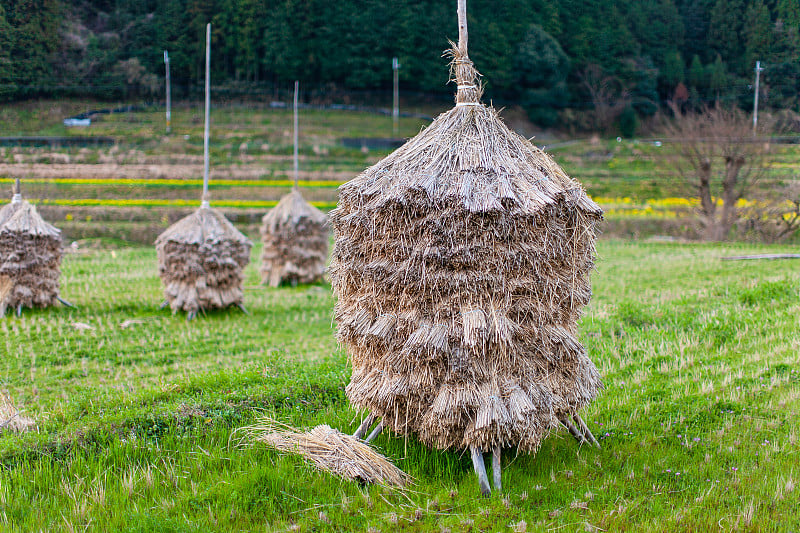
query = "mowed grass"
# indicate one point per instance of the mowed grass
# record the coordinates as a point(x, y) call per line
point(137, 416)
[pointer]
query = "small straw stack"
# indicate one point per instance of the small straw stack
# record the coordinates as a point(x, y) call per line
point(295, 237)
point(30, 257)
point(330, 450)
point(294, 233)
point(461, 265)
point(200, 260)
point(201, 257)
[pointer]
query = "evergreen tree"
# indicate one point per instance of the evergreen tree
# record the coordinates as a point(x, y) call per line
point(541, 68)
point(758, 41)
point(697, 74)
point(673, 72)
point(7, 87)
point(726, 30)
point(717, 77)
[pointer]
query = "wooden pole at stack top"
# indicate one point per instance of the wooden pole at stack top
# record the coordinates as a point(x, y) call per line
point(169, 99)
point(204, 201)
point(17, 197)
point(395, 96)
point(296, 162)
point(462, 25)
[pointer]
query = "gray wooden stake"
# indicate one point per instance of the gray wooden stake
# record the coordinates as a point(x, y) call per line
point(375, 432)
point(480, 470)
point(585, 429)
point(496, 468)
point(204, 200)
point(65, 303)
point(295, 161)
point(365, 425)
point(572, 429)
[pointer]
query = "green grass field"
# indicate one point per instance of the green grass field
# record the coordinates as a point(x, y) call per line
point(136, 409)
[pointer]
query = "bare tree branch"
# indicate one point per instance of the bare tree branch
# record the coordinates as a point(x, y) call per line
point(719, 161)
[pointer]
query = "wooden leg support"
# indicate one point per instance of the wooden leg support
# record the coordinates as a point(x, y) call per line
point(65, 303)
point(375, 432)
point(365, 425)
point(191, 316)
point(496, 468)
point(163, 305)
point(19, 310)
point(573, 430)
point(243, 309)
point(480, 470)
point(585, 430)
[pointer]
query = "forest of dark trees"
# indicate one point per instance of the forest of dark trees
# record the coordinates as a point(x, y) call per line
point(556, 58)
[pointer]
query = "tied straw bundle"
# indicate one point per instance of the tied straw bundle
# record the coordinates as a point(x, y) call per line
point(294, 233)
point(30, 257)
point(330, 450)
point(461, 266)
point(201, 257)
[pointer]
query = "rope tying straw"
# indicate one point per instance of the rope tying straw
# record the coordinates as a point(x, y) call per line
point(462, 71)
point(17, 198)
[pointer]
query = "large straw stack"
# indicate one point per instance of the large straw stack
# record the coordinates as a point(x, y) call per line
point(30, 256)
point(200, 261)
point(295, 237)
point(461, 264)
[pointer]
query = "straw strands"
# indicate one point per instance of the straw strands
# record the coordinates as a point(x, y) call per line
point(295, 237)
point(330, 450)
point(10, 418)
point(200, 261)
point(30, 258)
point(461, 265)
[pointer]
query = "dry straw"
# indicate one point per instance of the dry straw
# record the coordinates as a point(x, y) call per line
point(30, 257)
point(330, 450)
point(461, 265)
point(200, 260)
point(295, 234)
point(201, 257)
point(10, 417)
point(295, 237)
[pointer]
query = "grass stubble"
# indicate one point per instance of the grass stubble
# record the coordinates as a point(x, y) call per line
point(135, 408)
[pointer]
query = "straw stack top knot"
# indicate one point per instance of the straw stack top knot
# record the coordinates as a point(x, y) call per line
point(465, 75)
point(17, 198)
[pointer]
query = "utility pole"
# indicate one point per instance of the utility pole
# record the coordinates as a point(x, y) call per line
point(395, 96)
point(169, 101)
point(755, 103)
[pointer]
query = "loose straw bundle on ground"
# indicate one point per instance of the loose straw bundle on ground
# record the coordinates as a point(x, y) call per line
point(330, 450)
point(295, 237)
point(200, 261)
point(30, 258)
point(461, 265)
point(10, 417)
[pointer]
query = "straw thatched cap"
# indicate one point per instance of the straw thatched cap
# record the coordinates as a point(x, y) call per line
point(461, 266)
point(8, 210)
point(205, 225)
point(468, 158)
point(26, 220)
point(291, 211)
